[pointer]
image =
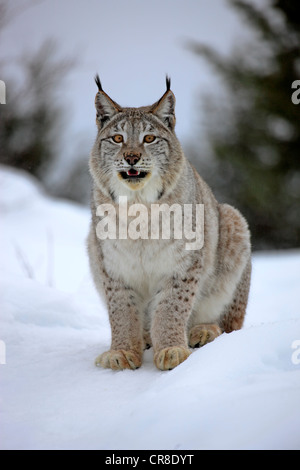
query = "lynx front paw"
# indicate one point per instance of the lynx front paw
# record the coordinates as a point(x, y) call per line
point(168, 358)
point(203, 334)
point(119, 360)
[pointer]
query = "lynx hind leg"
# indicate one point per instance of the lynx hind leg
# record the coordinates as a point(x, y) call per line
point(203, 333)
point(234, 315)
point(235, 256)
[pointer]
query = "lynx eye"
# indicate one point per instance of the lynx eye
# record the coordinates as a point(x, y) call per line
point(118, 138)
point(149, 138)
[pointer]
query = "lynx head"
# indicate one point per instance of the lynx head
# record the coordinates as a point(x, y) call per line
point(136, 152)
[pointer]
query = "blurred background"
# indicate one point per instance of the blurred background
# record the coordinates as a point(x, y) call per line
point(232, 64)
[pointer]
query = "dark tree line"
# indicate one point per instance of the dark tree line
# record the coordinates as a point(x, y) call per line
point(253, 129)
point(34, 119)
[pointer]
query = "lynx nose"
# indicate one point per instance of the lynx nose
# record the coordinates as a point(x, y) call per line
point(132, 158)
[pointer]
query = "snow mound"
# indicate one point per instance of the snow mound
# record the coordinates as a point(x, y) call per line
point(239, 392)
point(17, 188)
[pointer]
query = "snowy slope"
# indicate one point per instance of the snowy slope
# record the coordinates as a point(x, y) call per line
point(240, 392)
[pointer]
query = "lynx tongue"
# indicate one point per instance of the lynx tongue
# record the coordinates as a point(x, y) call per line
point(133, 172)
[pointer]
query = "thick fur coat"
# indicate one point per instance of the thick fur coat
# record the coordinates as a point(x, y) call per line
point(157, 292)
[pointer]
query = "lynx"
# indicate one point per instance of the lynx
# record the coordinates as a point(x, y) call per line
point(158, 293)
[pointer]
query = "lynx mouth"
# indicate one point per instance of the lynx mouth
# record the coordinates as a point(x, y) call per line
point(133, 174)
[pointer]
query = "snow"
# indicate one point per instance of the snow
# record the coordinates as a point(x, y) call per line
point(240, 392)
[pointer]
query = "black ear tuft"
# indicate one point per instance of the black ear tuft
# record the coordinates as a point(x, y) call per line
point(168, 82)
point(98, 82)
point(106, 108)
point(164, 108)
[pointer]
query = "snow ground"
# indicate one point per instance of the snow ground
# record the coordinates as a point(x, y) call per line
point(240, 392)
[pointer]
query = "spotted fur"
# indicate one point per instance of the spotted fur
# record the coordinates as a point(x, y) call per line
point(157, 293)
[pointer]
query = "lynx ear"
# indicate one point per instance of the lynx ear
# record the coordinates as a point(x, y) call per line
point(164, 109)
point(106, 108)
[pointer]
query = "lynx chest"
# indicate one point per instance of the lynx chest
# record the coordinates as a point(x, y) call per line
point(143, 264)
